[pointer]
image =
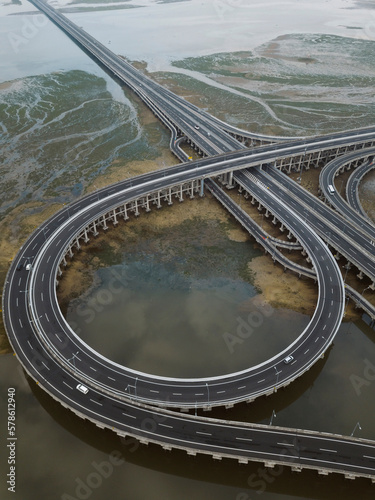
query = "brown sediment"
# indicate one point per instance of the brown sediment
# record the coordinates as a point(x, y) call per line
point(5, 85)
point(283, 289)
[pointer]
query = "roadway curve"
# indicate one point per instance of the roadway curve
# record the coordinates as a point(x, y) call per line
point(352, 187)
point(327, 177)
point(31, 307)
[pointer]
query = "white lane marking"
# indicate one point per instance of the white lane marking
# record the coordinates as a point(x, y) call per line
point(91, 368)
point(203, 433)
point(70, 387)
point(111, 378)
point(156, 392)
point(43, 363)
point(127, 415)
point(166, 425)
point(97, 402)
point(19, 319)
point(244, 439)
point(286, 444)
point(329, 451)
point(260, 381)
point(242, 387)
point(30, 344)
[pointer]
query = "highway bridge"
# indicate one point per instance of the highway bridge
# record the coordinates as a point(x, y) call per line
point(353, 185)
point(126, 401)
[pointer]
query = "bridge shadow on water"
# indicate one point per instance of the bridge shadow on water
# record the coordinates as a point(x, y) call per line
point(250, 480)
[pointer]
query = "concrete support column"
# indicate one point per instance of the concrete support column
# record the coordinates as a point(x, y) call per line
point(230, 180)
point(158, 198)
point(126, 216)
point(192, 190)
point(169, 196)
point(77, 244)
point(114, 216)
point(148, 209)
point(70, 252)
point(282, 228)
point(104, 223)
point(94, 231)
point(180, 196)
point(201, 194)
point(136, 211)
point(87, 239)
point(64, 261)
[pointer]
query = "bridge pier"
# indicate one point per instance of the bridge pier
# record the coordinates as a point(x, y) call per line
point(192, 187)
point(136, 209)
point(104, 223)
point(168, 197)
point(180, 195)
point(77, 244)
point(126, 217)
point(148, 209)
point(201, 194)
point(230, 184)
point(86, 239)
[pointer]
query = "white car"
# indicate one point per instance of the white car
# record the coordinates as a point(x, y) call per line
point(82, 388)
point(288, 360)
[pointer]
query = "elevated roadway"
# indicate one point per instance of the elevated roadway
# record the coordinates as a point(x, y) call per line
point(119, 398)
point(327, 178)
point(352, 187)
point(349, 241)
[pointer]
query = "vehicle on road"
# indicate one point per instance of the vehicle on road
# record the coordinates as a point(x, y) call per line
point(82, 388)
point(331, 189)
point(288, 360)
